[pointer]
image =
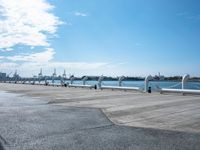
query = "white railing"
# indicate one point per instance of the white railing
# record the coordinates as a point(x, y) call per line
point(119, 87)
point(146, 83)
point(183, 90)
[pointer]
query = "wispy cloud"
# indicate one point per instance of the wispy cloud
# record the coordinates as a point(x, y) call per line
point(29, 64)
point(1, 57)
point(78, 68)
point(39, 57)
point(31, 23)
point(194, 17)
point(189, 16)
point(6, 65)
point(6, 50)
point(81, 14)
point(26, 23)
point(182, 14)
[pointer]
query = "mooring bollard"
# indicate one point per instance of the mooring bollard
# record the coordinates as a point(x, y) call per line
point(149, 90)
point(95, 86)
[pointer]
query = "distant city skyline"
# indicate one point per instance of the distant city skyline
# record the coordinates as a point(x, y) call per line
point(100, 37)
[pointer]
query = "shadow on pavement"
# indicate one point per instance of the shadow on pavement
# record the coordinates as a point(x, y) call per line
point(1, 146)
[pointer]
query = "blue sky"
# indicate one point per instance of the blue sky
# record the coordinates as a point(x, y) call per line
point(94, 37)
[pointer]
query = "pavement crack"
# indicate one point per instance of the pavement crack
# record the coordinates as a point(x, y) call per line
point(98, 127)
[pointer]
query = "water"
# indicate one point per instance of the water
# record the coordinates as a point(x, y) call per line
point(153, 84)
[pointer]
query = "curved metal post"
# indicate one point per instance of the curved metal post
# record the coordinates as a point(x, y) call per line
point(62, 82)
point(146, 82)
point(34, 80)
point(45, 80)
point(72, 79)
point(85, 79)
point(62, 78)
point(184, 80)
point(54, 76)
point(100, 81)
point(52, 80)
point(120, 80)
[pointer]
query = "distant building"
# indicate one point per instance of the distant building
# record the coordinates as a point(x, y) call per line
point(159, 77)
point(162, 77)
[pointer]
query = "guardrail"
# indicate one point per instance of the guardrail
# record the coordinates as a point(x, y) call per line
point(181, 91)
point(44, 81)
point(120, 88)
point(81, 86)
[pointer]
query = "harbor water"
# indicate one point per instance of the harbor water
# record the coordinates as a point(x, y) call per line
point(153, 84)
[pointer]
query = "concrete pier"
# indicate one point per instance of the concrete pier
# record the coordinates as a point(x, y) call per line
point(168, 112)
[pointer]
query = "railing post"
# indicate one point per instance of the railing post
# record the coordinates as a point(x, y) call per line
point(84, 80)
point(120, 80)
point(62, 79)
point(184, 80)
point(34, 80)
point(100, 81)
point(146, 83)
point(72, 80)
point(45, 80)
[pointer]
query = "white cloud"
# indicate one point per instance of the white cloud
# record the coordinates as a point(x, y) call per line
point(182, 14)
point(29, 64)
point(76, 65)
point(7, 50)
point(31, 23)
point(8, 65)
point(190, 16)
point(26, 22)
point(44, 56)
point(1, 57)
point(77, 68)
point(194, 17)
point(80, 14)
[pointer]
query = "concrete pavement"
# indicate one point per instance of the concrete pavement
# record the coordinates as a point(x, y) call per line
point(167, 112)
point(33, 124)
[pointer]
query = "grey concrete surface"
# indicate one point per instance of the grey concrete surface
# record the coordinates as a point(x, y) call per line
point(167, 112)
point(32, 124)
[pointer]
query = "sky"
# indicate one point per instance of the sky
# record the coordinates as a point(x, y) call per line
point(100, 37)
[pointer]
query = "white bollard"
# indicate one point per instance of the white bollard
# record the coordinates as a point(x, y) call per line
point(72, 79)
point(120, 80)
point(146, 83)
point(85, 79)
point(100, 81)
point(184, 80)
